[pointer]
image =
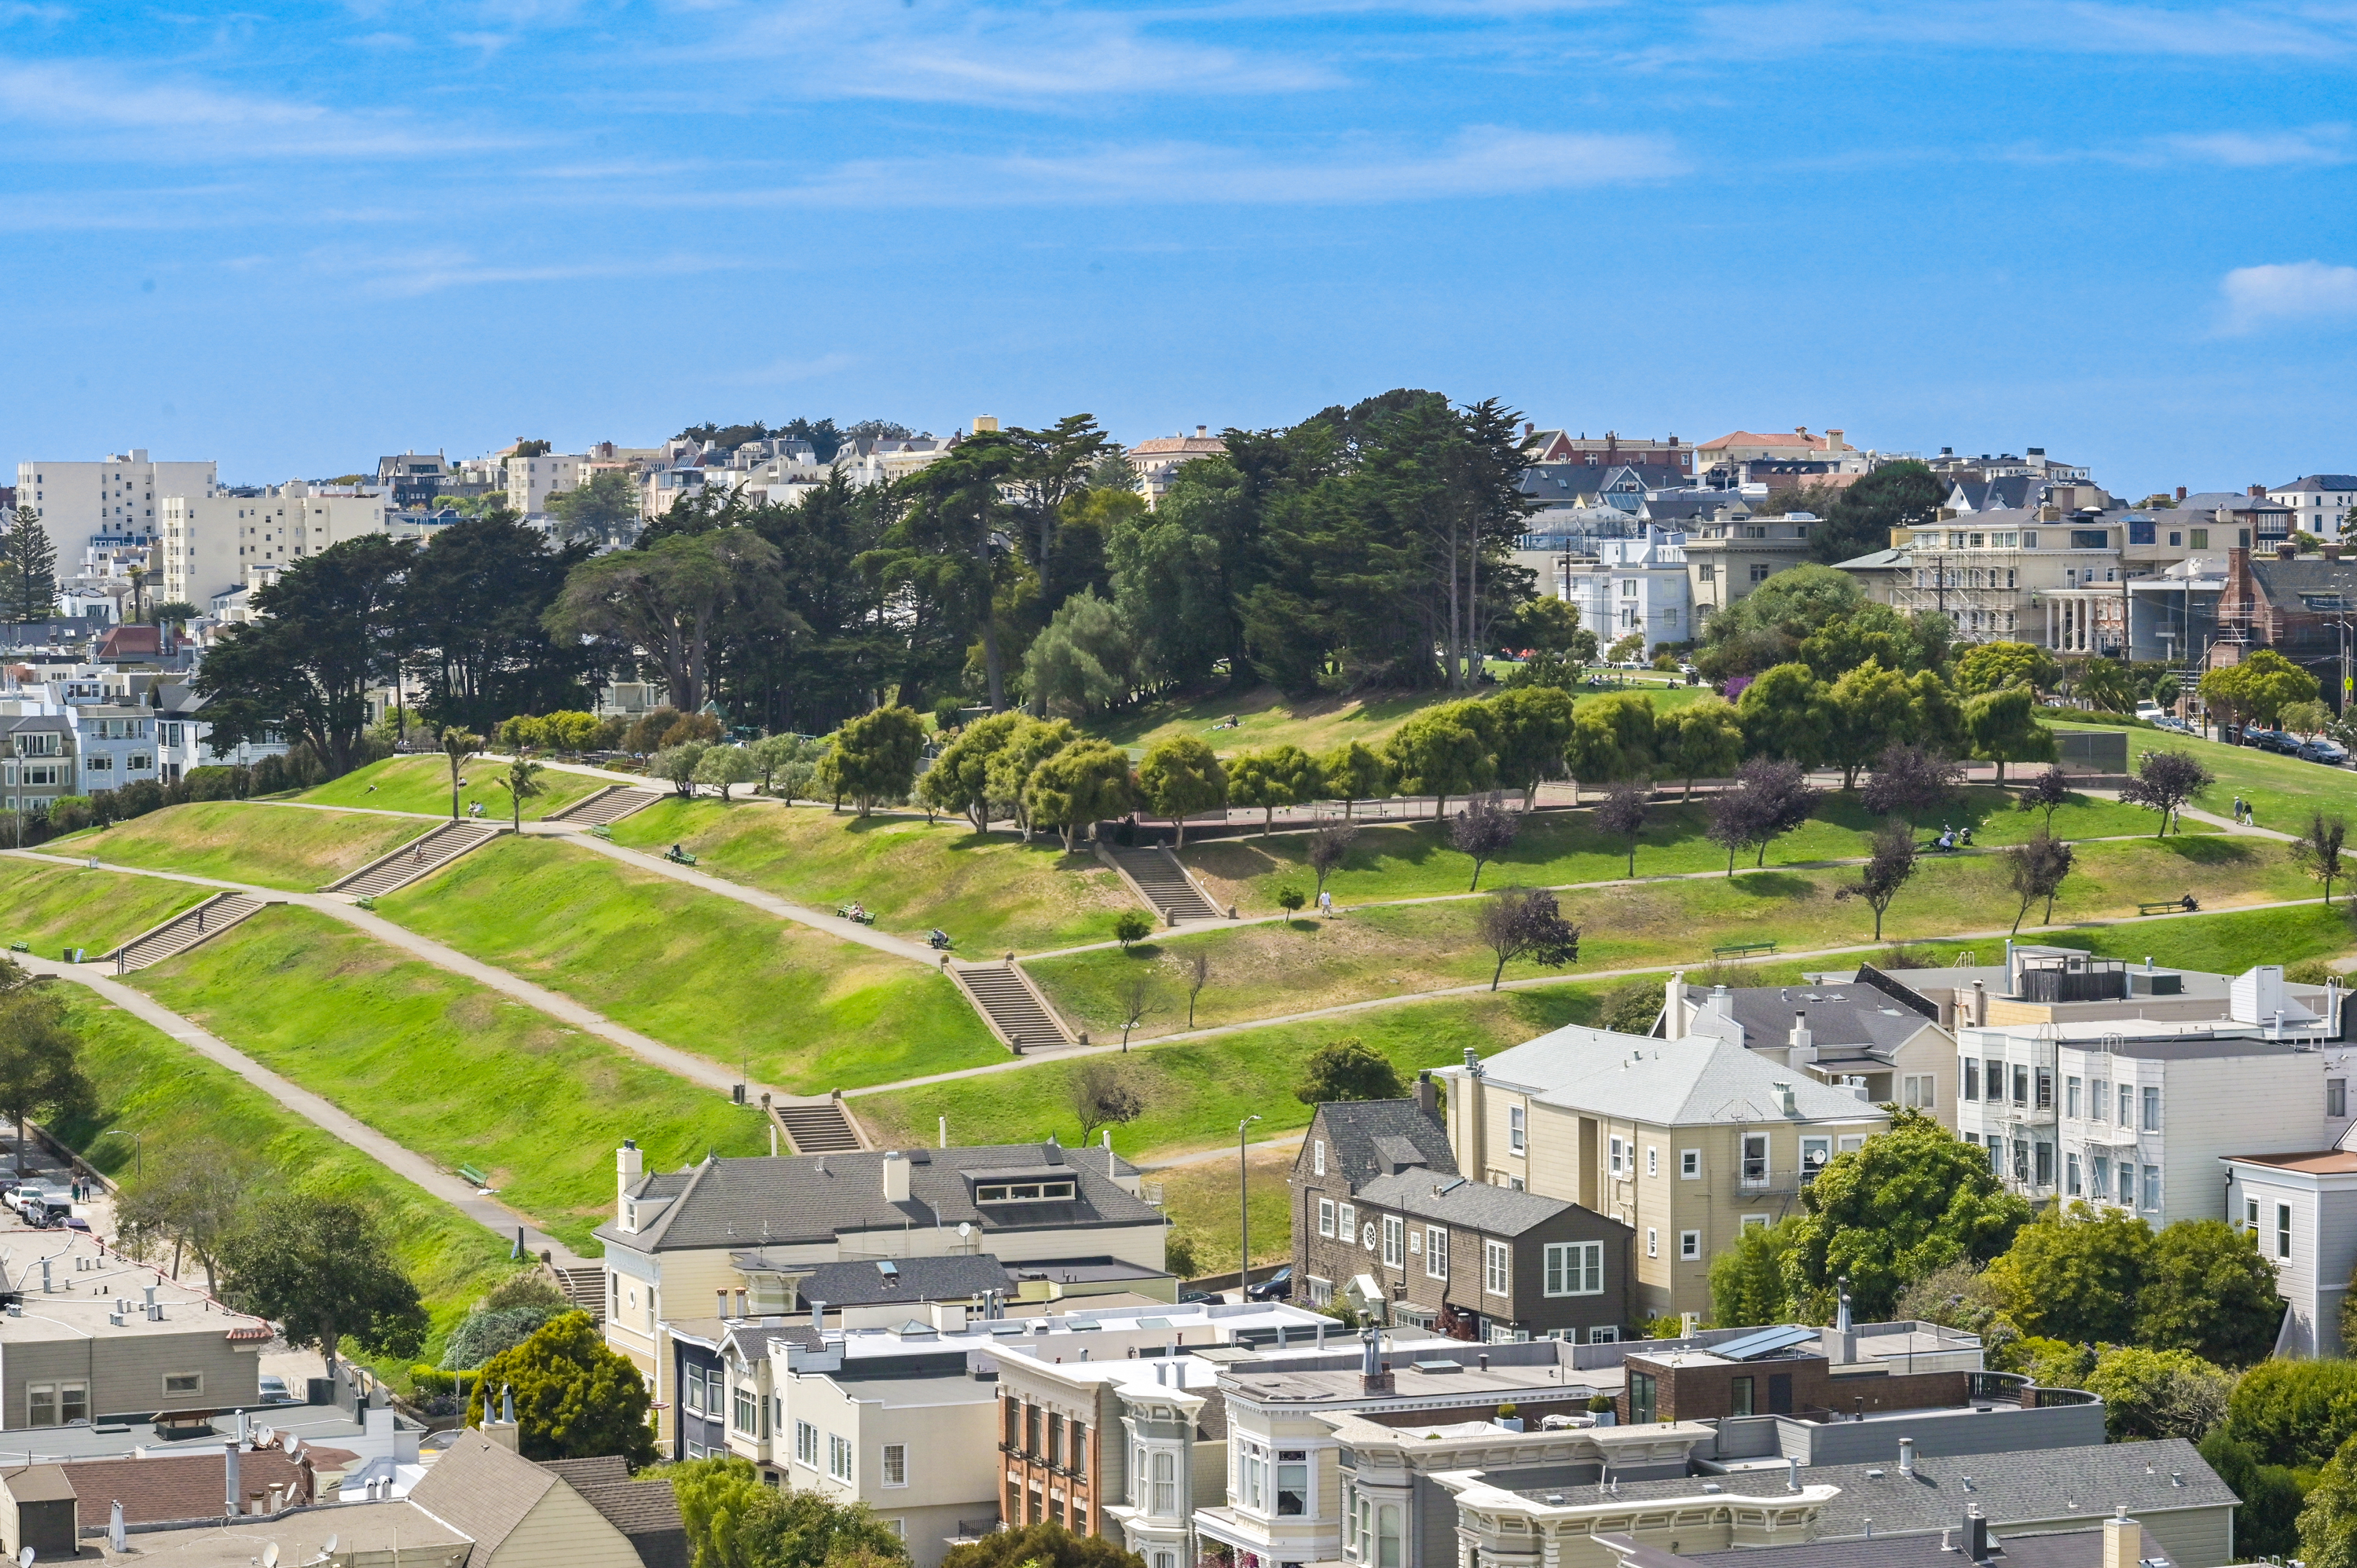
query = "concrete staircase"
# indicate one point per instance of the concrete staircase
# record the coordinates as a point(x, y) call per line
point(185, 930)
point(1014, 1012)
point(610, 804)
point(584, 1288)
point(1163, 883)
point(416, 858)
point(817, 1126)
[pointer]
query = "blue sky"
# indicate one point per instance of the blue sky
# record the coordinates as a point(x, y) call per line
point(292, 236)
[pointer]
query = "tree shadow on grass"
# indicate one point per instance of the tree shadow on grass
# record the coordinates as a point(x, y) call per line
point(1774, 884)
point(2212, 849)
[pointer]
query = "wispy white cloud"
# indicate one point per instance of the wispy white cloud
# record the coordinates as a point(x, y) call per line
point(15, 11)
point(2311, 147)
point(2281, 293)
point(1481, 161)
point(407, 275)
point(2045, 27)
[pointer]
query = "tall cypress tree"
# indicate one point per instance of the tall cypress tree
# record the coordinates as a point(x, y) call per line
point(28, 568)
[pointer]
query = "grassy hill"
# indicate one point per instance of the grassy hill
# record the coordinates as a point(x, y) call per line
point(50, 908)
point(808, 1011)
point(173, 1097)
point(446, 1068)
point(991, 892)
point(240, 841)
point(2282, 790)
point(423, 784)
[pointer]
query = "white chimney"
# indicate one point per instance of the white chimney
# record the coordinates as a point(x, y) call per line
point(1202, 431)
point(895, 1177)
point(2123, 1540)
point(1907, 1456)
point(1803, 1048)
point(629, 1165)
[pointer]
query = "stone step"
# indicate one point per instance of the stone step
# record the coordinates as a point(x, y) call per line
point(416, 858)
point(818, 1127)
point(1021, 1020)
point(185, 930)
point(610, 804)
point(1165, 885)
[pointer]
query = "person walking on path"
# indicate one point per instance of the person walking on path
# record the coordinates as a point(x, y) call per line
point(2238, 811)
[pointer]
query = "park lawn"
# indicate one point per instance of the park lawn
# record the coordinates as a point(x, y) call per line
point(177, 1101)
point(1562, 849)
point(2283, 790)
point(1388, 950)
point(805, 1010)
point(239, 841)
point(1201, 1200)
point(992, 893)
point(421, 784)
point(1195, 1091)
point(52, 907)
point(459, 1073)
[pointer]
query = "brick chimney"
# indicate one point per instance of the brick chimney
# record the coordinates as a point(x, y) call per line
point(2257, 492)
point(2180, 492)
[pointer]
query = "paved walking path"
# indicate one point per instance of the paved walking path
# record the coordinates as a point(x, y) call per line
point(488, 1212)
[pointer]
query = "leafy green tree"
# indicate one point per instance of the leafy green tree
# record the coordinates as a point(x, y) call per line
point(1912, 1200)
point(1533, 725)
point(522, 780)
point(2075, 1274)
point(1130, 928)
point(1181, 572)
point(1354, 773)
point(28, 568)
point(1939, 718)
point(1787, 713)
point(2209, 1292)
point(676, 765)
point(876, 756)
point(665, 602)
point(1872, 708)
point(1769, 625)
point(1701, 740)
point(41, 1058)
point(1027, 745)
point(719, 1498)
point(1348, 1069)
point(604, 510)
point(1179, 776)
point(1546, 625)
point(457, 746)
point(2305, 718)
point(1449, 750)
point(945, 552)
point(1911, 644)
point(2002, 726)
point(2150, 1394)
point(1561, 670)
point(323, 1269)
point(2267, 1526)
point(784, 761)
point(959, 779)
point(1633, 1009)
point(1860, 521)
point(1085, 661)
point(1992, 666)
point(574, 1399)
point(1045, 1545)
point(1627, 647)
point(1611, 738)
point(2258, 688)
point(722, 766)
point(2295, 1414)
point(1084, 782)
point(1747, 1286)
point(2328, 1522)
point(1279, 776)
point(324, 635)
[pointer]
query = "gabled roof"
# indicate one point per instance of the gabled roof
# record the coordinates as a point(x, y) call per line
point(749, 1202)
point(1752, 438)
point(2320, 482)
point(1694, 1081)
point(1838, 1015)
point(1361, 1134)
point(646, 1512)
point(482, 1490)
point(1469, 1205)
point(2284, 582)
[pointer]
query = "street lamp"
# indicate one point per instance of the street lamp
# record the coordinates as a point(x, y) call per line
point(1243, 1206)
point(138, 1150)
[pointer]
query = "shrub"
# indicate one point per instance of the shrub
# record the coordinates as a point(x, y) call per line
point(138, 800)
point(71, 814)
point(218, 783)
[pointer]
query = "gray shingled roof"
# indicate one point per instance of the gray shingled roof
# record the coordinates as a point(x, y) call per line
point(2062, 1549)
point(915, 1280)
point(1671, 1083)
point(646, 1512)
point(482, 1490)
point(817, 1197)
point(1356, 1129)
point(1453, 1200)
point(2025, 1487)
point(1854, 1015)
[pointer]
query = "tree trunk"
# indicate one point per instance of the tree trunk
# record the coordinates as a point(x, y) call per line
point(1498, 974)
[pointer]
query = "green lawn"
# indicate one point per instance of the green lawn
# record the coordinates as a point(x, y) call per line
point(150, 1084)
point(809, 1011)
point(1200, 1200)
point(238, 841)
point(1267, 970)
point(991, 892)
point(1557, 849)
point(55, 907)
point(423, 784)
point(2282, 789)
point(444, 1066)
point(1195, 1091)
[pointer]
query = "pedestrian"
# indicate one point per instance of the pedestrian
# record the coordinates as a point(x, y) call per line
point(2238, 808)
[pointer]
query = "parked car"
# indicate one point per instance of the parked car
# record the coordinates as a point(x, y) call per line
point(1190, 1297)
point(1279, 1286)
point(2332, 754)
point(274, 1391)
point(2274, 740)
point(2150, 712)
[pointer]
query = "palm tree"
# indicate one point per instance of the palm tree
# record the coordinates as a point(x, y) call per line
point(459, 745)
point(523, 779)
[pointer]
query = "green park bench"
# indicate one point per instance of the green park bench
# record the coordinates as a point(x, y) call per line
point(479, 1179)
point(1742, 949)
point(20, 947)
point(679, 856)
point(600, 830)
point(2168, 906)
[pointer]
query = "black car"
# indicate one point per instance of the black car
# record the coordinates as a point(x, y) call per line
point(2273, 740)
point(1279, 1286)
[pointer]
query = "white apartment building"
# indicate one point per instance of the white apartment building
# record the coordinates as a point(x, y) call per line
point(531, 481)
point(2302, 1208)
point(1633, 585)
point(2319, 503)
point(2135, 1112)
point(119, 499)
point(1159, 458)
point(213, 543)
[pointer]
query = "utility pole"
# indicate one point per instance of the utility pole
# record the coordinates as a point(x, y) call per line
point(1243, 1206)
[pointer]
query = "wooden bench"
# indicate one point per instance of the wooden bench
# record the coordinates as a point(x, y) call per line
point(1741, 950)
point(2166, 907)
point(478, 1177)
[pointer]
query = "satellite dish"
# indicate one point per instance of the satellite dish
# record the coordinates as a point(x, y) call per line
point(25, 1558)
point(294, 1445)
point(966, 1227)
point(329, 1549)
point(270, 1555)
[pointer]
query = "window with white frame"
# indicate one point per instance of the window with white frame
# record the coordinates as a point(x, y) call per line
point(1653, 1243)
point(1497, 1276)
point(806, 1443)
point(2152, 1108)
point(1689, 1245)
point(1574, 1268)
point(1394, 1241)
point(1652, 1160)
point(2283, 1229)
point(896, 1464)
point(1515, 1139)
point(1435, 1252)
point(1690, 1165)
point(1814, 1153)
point(1325, 1217)
point(1165, 1483)
point(838, 1456)
point(1616, 1156)
point(1346, 1223)
point(1318, 1157)
point(1755, 1159)
point(2152, 1187)
point(1921, 1090)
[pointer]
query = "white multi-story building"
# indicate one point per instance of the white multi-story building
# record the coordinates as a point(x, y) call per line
point(2301, 1209)
point(531, 481)
point(118, 499)
point(213, 543)
point(2319, 503)
point(1160, 458)
point(2095, 1082)
point(1633, 585)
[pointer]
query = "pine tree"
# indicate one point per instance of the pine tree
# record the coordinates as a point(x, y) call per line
point(28, 568)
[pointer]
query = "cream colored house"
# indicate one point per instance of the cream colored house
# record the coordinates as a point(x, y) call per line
point(1687, 1140)
point(213, 540)
point(1728, 556)
point(1864, 1032)
point(518, 1514)
point(919, 1451)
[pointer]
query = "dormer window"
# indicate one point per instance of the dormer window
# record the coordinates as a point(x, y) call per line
point(1024, 1192)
